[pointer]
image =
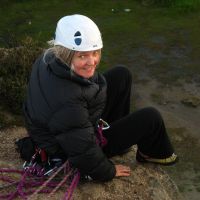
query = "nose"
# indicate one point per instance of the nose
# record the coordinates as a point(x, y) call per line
point(91, 60)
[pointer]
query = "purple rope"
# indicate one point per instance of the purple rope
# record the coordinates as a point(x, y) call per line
point(13, 195)
point(19, 190)
point(21, 183)
point(67, 168)
point(28, 184)
point(20, 186)
point(7, 170)
point(31, 182)
point(7, 179)
point(27, 181)
point(73, 185)
point(37, 183)
point(101, 140)
point(60, 184)
point(50, 178)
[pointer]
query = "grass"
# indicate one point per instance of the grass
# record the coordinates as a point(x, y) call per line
point(38, 18)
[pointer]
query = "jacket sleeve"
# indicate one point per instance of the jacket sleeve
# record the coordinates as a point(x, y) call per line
point(77, 139)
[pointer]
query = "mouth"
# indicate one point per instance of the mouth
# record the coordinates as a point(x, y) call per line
point(90, 68)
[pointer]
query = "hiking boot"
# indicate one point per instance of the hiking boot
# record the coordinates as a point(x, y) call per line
point(162, 161)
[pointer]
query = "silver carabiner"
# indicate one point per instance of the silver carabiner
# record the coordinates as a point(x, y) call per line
point(104, 123)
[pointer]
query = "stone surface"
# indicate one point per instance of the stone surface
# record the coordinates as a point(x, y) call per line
point(191, 101)
point(147, 181)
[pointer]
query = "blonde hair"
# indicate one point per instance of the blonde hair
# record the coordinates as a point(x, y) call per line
point(62, 53)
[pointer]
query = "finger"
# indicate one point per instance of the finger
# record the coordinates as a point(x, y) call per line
point(122, 170)
point(123, 167)
point(123, 173)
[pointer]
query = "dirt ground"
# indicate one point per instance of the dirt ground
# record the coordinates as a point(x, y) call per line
point(182, 123)
point(146, 182)
point(178, 99)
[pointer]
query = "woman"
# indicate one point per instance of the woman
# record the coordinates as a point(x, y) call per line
point(67, 97)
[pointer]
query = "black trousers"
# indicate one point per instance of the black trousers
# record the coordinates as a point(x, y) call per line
point(144, 127)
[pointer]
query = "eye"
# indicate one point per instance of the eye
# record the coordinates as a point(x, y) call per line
point(82, 56)
point(96, 53)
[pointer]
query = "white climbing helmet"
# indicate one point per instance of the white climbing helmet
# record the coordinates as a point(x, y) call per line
point(78, 33)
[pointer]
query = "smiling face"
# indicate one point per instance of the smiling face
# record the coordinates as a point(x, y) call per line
point(85, 63)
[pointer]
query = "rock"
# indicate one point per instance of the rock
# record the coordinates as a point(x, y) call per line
point(147, 181)
point(191, 101)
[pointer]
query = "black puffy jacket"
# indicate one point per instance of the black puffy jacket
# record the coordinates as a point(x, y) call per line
point(62, 110)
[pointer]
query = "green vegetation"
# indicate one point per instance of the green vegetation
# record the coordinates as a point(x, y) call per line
point(38, 18)
point(15, 67)
point(184, 4)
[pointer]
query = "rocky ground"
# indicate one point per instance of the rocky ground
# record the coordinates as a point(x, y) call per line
point(181, 115)
point(174, 89)
point(147, 182)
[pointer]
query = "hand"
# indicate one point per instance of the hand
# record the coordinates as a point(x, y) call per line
point(122, 170)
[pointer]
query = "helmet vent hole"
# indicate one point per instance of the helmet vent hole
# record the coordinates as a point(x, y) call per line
point(78, 41)
point(77, 34)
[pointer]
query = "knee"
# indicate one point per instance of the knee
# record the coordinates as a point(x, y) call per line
point(153, 114)
point(123, 73)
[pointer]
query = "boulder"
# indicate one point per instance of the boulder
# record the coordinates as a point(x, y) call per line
point(147, 181)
